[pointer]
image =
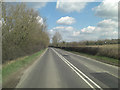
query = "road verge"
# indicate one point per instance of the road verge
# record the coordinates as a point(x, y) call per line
point(12, 71)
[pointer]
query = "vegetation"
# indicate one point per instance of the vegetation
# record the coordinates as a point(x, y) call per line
point(17, 64)
point(101, 48)
point(88, 43)
point(56, 39)
point(106, 51)
point(104, 48)
point(22, 33)
point(100, 58)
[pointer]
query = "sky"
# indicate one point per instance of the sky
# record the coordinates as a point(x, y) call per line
point(78, 21)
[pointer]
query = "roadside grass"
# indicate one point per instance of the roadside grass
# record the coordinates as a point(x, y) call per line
point(17, 64)
point(108, 60)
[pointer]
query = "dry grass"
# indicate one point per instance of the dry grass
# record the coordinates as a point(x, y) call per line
point(105, 46)
point(107, 50)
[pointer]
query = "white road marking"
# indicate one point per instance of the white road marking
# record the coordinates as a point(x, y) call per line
point(77, 71)
point(94, 60)
point(116, 67)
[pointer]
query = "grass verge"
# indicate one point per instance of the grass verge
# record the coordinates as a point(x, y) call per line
point(16, 65)
point(107, 60)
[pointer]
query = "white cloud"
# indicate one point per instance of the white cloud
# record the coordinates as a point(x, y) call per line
point(108, 23)
point(107, 26)
point(89, 29)
point(76, 33)
point(66, 20)
point(106, 29)
point(36, 5)
point(107, 9)
point(68, 28)
point(40, 20)
point(65, 31)
point(70, 6)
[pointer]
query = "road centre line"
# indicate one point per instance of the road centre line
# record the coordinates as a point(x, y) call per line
point(77, 71)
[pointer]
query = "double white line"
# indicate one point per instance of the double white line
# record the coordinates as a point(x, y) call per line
point(78, 72)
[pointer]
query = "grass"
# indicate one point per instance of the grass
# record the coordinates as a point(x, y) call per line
point(16, 65)
point(108, 60)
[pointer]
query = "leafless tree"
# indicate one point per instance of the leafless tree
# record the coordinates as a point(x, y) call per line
point(56, 38)
point(22, 34)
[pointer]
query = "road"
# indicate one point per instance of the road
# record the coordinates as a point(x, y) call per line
point(61, 69)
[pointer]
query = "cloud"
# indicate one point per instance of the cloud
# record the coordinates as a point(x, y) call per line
point(107, 9)
point(108, 23)
point(108, 28)
point(66, 20)
point(71, 6)
point(105, 29)
point(89, 29)
point(76, 33)
point(40, 20)
point(65, 31)
point(69, 28)
point(36, 5)
point(62, 29)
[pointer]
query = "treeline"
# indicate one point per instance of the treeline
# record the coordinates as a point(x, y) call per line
point(106, 48)
point(22, 33)
point(86, 43)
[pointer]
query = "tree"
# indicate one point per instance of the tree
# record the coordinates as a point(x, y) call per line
point(22, 34)
point(56, 38)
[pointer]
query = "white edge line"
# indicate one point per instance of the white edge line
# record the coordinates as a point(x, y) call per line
point(67, 62)
point(115, 67)
point(93, 59)
point(84, 75)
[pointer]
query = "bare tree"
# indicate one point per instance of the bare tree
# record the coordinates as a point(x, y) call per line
point(22, 34)
point(56, 38)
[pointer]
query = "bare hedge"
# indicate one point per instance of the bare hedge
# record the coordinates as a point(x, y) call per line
point(101, 51)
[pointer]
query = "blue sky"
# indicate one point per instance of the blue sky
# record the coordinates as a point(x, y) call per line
point(83, 19)
point(78, 21)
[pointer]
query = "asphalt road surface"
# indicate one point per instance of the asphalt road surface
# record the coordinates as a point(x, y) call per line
point(61, 69)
